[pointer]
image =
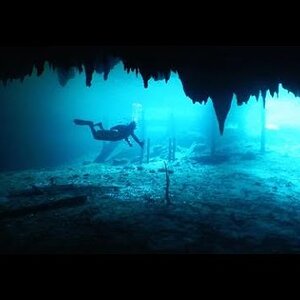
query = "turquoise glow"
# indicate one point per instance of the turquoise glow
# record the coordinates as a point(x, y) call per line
point(43, 111)
point(283, 111)
point(235, 193)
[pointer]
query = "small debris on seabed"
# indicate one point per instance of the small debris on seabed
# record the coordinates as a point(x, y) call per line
point(219, 205)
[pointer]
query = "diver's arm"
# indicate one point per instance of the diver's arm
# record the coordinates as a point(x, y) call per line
point(129, 143)
point(137, 140)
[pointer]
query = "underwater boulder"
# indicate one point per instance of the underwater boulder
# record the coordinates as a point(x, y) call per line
point(119, 162)
point(248, 156)
point(198, 148)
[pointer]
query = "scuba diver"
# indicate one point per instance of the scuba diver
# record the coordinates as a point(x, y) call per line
point(116, 133)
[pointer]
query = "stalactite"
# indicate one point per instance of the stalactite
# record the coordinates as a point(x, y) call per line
point(222, 107)
point(263, 94)
point(89, 70)
point(145, 79)
point(167, 75)
point(80, 68)
point(214, 72)
point(64, 75)
point(40, 68)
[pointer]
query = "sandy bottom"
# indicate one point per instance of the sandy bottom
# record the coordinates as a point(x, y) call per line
point(244, 203)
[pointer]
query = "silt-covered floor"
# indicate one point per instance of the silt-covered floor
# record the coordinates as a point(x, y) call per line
point(242, 203)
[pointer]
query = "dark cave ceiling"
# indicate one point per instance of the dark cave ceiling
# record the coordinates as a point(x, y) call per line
point(217, 72)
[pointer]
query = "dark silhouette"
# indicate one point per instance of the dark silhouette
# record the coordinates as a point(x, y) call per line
point(116, 133)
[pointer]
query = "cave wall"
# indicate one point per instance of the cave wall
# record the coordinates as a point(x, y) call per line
point(217, 72)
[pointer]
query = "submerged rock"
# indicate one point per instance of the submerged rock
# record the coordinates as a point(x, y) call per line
point(128, 168)
point(212, 159)
point(248, 156)
point(121, 161)
point(198, 148)
point(75, 176)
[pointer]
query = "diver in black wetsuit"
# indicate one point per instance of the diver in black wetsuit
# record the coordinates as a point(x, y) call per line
point(116, 133)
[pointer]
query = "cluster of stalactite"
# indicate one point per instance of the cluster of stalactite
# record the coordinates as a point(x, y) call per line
point(206, 72)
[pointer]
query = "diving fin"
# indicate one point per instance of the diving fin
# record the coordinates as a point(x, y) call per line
point(83, 122)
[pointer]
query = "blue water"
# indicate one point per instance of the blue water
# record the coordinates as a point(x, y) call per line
point(228, 193)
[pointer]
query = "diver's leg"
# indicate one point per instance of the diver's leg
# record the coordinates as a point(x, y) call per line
point(94, 132)
point(83, 122)
point(88, 123)
point(100, 125)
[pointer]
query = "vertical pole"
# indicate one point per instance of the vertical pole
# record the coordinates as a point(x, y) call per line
point(142, 133)
point(170, 150)
point(174, 149)
point(172, 141)
point(148, 150)
point(141, 155)
point(167, 194)
point(105, 146)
